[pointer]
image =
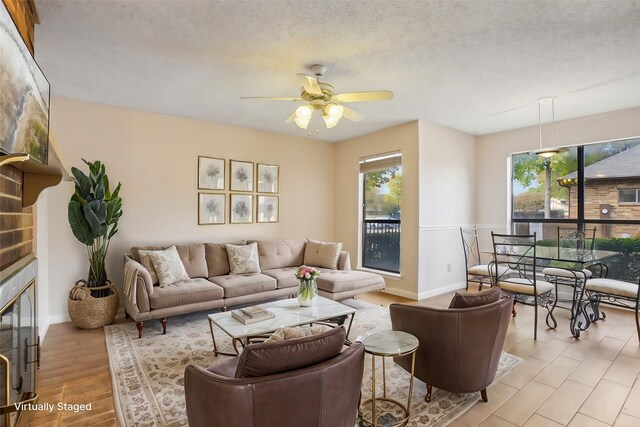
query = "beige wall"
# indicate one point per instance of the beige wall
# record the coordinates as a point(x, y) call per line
point(493, 151)
point(155, 158)
point(405, 139)
point(447, 202)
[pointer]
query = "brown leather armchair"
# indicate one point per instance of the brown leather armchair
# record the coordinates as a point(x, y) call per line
point(459, 348)
point(324, 395)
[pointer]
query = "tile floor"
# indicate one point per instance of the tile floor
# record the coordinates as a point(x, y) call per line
point(562, 381)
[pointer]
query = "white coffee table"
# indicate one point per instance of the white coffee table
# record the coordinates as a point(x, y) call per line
point(288, 313)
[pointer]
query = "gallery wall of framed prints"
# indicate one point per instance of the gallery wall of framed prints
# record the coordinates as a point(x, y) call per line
point(252, 195)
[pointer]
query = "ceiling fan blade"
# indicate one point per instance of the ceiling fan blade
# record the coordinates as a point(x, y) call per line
point(291, 118)
point(378, 95)
point(270, 98)
point(310, 84)
point(354, 116)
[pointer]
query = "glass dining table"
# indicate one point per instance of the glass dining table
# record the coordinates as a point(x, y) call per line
point(568, 259)
point(548, 254)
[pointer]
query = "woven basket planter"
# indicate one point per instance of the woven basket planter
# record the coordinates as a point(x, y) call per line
point(91, 312)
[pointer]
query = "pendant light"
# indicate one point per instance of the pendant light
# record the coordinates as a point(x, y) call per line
point(547, 152)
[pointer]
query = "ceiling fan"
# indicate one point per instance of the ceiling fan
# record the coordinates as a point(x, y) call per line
point(321, 96)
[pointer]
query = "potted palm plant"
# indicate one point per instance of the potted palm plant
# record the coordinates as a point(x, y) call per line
point(94, 211)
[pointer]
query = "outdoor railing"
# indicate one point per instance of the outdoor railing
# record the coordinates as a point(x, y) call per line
point(381, 244)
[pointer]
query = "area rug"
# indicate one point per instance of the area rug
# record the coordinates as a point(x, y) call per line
point(147, 374)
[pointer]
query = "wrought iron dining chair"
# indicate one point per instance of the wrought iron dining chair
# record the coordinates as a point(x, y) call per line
point(611, 292)
point(476, 271)
point(565, 274)
point(517, 254)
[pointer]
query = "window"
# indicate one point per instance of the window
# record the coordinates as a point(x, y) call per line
point(539, 185)
point(595, 186)
point(628, 195)
point(381, 178)
point(611, 177)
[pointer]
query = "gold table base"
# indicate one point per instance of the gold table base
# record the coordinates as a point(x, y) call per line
point(405, 409)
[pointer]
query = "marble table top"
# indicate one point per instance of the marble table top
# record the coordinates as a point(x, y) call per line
point(389, 343)
point(287, 313)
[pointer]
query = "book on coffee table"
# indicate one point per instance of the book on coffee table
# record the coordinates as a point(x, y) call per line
point(247, 320)
point(255, 311)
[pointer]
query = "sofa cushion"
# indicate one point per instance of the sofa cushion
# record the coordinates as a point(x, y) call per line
point(280, 253)
point(340, 281)
point(243, 259)
point(187, 292)
point(463, 299)
point(193, 259)
point(168, 266)
point(285, 276)
point(244, 284)
point(272, 358)
point(322, 254)
point(135, 251)
point(217, 260)
point(145, 260)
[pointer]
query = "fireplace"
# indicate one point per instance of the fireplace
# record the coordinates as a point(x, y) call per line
point(19, 341)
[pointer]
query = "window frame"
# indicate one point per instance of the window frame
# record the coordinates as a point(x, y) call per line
point(637, 192)
point(363, 225)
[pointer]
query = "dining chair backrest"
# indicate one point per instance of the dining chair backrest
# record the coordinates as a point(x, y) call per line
point(470, 246)
point(576, 239)
point(516, 252)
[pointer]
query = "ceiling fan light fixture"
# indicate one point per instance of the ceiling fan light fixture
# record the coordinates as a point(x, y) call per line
point(322, 96)
point(302, 122)
point(331, 114)
point(303, 116)
point(334, 111)
point(330, 121)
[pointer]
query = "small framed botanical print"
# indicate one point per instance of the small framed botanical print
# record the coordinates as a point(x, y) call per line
point(211, 208)
point(241, 209)
point(268, 178)
point(241, 175)
point(210, 173)
point(267, 209)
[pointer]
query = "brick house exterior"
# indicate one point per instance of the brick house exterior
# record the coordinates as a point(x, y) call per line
point(603, 182)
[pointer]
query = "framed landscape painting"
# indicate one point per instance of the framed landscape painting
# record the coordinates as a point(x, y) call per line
point(241, 175)
point(211, 208)
point(268, 178)
point(210, 173)
point(24, 96)
point(267, 209)
point(241, 209)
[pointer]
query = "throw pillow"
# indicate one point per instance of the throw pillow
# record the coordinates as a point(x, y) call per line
point(284, 334)
point(243, 259)
point(258, 360)
point(145, 260)
point(464, 299)
point(322, 254)
point(168, 266)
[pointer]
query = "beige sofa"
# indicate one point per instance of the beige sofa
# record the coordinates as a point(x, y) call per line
point(211, 286)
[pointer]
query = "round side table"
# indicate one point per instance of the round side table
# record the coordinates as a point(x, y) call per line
point(388, 344)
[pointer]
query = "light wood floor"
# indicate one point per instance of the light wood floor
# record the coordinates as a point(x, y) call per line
point(562, 381)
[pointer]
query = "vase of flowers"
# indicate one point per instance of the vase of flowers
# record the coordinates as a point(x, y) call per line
point(308, 289)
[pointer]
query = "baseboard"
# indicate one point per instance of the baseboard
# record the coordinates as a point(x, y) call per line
point(427, 294)
point(442, 290)
point(58, 318)
point(401, 293)
point(42, 331)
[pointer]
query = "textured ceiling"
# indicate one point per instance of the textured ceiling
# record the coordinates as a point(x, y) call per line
point(477, 66)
